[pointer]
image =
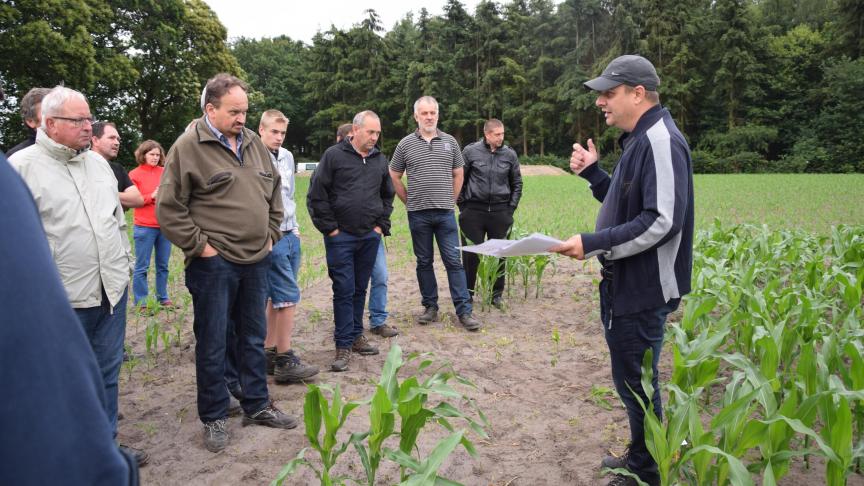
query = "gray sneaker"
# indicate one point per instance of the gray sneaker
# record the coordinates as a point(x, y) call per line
point(363, 347)
point(343, 357)
point(215, 435)
point(469, 322)
point(289, 368)
point(429, 315)
point(270, 416)
point(234, 408)
point(384, 331)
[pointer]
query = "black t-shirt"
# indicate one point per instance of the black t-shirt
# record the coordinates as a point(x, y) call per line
point(123, 180)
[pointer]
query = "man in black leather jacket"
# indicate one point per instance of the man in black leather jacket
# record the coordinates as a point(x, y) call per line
point(490, 194)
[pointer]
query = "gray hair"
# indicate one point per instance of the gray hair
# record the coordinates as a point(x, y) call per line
point(359, 118)
point(53, 102)
point(425, 99)
point(29, 102)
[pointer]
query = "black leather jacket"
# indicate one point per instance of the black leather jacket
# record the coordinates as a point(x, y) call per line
point(493, 181)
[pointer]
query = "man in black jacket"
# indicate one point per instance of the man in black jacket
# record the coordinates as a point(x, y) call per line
point(493, 186)
point(643, 239)
point(350, 199)
point(31, 113)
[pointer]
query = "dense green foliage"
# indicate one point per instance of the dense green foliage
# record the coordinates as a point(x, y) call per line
point(757, 86)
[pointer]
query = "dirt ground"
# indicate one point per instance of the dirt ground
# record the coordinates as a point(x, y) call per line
point(545, 427)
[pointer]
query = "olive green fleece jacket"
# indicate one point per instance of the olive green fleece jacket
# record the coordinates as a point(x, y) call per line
point(207, 195)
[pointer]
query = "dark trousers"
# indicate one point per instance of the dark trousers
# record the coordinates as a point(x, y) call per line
point(629, 337)
point(350, 260)
point(106, 330)
point(224, 295)
point(439, 224)
point(478, 226)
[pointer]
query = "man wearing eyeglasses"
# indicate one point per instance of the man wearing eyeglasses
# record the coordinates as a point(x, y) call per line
point(76, 194)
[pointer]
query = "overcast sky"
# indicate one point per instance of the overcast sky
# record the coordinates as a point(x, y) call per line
point(300, 20)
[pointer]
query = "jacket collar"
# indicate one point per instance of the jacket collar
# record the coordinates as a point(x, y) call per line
point(489, 148)
point(206, 135)
point(55, 150)
point(345, 145)
point(646, 121)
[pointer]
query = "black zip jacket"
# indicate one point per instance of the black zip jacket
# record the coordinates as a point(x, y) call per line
point(644, 230)
point(350, 192)
point(493, 181)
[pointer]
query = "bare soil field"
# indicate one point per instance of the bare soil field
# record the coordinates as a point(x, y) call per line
point(546, 425)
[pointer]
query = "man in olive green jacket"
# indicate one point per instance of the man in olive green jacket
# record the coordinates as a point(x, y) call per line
point(220, 201)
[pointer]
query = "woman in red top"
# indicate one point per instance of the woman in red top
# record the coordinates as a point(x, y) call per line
point(151, 159)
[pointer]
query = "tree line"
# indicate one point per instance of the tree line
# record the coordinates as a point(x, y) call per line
point(756, 85)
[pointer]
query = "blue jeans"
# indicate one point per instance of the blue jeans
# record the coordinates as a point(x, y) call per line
point(350, 260)
point(106, 330)
point(284, 267)
point(146, 239)
point(629, 337)
point(440, 224)
point(378, 289)
point(225, 296)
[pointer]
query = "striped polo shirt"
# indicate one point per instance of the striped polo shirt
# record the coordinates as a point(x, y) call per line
point(430, 168)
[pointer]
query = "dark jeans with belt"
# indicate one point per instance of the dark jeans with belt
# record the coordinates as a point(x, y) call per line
point(439, 224)
point(229, 296)
point(478, 226)
point(350, 259)
point(629, 337)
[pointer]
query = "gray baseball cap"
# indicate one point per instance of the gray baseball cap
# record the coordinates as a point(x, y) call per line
point(630, 70)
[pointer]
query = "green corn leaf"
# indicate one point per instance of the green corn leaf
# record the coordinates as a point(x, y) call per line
point(289, 468)
point(428, 470)
point(739, 476)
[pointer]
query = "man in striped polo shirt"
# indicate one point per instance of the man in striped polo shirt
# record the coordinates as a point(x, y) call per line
point(434, 164)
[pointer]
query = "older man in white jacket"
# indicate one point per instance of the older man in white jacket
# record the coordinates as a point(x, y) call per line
point(76, 194)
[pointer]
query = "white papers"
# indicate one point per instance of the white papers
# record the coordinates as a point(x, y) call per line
point(533, 244)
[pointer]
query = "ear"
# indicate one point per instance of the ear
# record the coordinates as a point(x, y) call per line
point(639, 91)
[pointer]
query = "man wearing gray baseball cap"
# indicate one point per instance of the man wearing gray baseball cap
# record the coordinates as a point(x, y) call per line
point(643, 239)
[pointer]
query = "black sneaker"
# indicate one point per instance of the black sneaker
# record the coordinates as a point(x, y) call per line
point(616, 462)
point(428, 316)
point(270, 354)
point(362, 346)
point(343, 357)
point(621, 480)
point(215, 435)
point(140, 456)
point(498, 302)
point(289, 368)
point(270, 416)
point(384, 331)
point(469, 322)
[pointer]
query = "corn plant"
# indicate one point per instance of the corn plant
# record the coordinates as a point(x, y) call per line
point(774, 326)
point(409, 402)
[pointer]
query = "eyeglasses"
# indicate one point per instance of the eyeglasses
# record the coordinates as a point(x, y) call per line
point(76, 122)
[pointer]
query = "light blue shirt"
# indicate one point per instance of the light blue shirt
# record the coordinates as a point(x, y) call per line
point(222, 138)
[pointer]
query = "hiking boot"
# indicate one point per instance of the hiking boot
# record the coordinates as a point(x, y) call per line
point(139, 455)
point(362, 346)
point(429, 315)
point(498, 303)
point(384, 331)
point(340, 363)
point(289, 368)
point(270, 354)
point(234, 408)
point(215, 435)
point(270, 416)
point(616, 462)
point(469, 322)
